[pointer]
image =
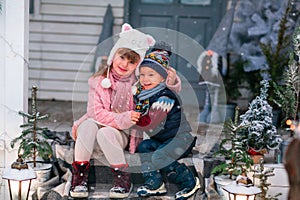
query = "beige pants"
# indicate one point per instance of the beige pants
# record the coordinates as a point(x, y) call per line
point(110, 140)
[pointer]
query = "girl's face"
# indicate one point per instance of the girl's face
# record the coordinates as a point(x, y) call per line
point(123, 64)
point(149, 78)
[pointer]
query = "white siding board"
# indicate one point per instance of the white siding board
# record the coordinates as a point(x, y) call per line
point(58, 95)
point(68, 28)
point(60, 66)
point(97, 11)
point(60, 56)
point(71, 19)
point(63, 38)
point(61, 86)
point(52, 47)
point(59, 75)
point(75, 18)
point(113, 3)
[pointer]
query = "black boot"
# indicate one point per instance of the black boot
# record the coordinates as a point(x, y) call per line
point(153, 185)
point(184, 178)
point(122, 185)
point(80, 172)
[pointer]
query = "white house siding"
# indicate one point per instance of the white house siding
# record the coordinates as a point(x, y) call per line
point(63, 37)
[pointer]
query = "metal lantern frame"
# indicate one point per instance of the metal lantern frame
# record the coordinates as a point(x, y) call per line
point(20, 172)
point(238, 191)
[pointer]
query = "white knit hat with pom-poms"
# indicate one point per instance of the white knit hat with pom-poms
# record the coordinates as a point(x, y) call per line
point(132, 39)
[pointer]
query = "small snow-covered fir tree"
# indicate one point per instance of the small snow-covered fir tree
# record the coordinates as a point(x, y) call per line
point(237, 153)
point(261, 134)
point(33, 141)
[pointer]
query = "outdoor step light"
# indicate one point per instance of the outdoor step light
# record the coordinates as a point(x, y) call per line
point(19, 177)
point(240, 191)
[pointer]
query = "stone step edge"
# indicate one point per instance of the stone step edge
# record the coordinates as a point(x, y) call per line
point(102, 192)
point(195, 160)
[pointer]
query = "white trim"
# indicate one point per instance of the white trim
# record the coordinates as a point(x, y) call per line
point(14, 26)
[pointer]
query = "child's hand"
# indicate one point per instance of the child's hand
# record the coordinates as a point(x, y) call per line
point(135, 116)
point(171, 78)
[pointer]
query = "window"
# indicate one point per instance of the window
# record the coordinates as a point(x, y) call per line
point(31, 6)
point(196, 2)
point(157, 1)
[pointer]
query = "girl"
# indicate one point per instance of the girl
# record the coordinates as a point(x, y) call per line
point(110, 114)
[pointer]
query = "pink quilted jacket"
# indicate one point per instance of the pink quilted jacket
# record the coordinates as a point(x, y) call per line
point(98, 107)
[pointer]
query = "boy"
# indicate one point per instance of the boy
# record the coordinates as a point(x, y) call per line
point(163, 120)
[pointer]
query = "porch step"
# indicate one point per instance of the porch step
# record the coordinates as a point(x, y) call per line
point(101, 178)
point(195, 159)
point(100, 166)
point(100, 191)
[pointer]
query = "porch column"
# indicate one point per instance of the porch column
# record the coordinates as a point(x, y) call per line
point(14, 37)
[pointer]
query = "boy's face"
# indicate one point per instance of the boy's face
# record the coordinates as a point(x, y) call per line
point(149, 78)
point(123, 66)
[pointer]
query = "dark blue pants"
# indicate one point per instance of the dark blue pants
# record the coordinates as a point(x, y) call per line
point(162, 154)
point(156, 155)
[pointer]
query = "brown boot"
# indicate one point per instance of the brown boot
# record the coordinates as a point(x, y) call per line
point(122, 185)
point(80, 172)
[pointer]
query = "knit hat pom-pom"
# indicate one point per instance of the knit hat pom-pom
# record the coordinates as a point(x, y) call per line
point(106, 83)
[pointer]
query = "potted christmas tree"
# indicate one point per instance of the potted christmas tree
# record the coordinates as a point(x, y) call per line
point(261, 135)
point(33, 144)
point(234, 151)
point(232, 148)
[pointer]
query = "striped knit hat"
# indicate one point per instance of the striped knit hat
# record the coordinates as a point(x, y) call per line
point(158, 60)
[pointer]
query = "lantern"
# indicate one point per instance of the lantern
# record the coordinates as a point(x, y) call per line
point(19, 177)
point(238, 191)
